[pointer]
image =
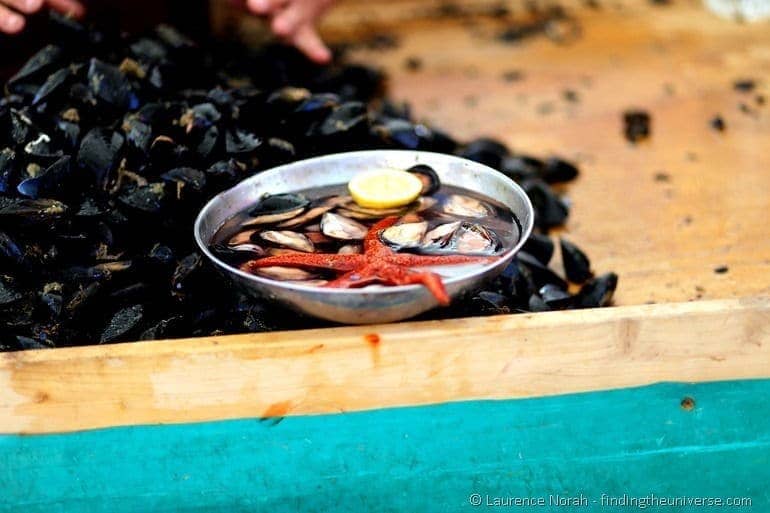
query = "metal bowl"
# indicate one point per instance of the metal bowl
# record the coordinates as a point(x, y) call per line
point(368, 305)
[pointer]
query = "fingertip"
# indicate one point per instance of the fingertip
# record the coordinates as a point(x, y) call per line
point(12, 23)
point(281, 27)
point(309, 42)
point(321, 55)
point(258, 6)
point(78, 11)
point(30, 6)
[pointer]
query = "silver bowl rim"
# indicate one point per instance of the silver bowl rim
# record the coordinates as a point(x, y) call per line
point(287, 285)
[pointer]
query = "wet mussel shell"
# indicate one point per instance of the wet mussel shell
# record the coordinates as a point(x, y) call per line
point(577, 267)
point(277, 207)
point(429, 178)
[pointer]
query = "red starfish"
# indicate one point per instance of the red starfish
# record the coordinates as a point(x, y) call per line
point(377, 264)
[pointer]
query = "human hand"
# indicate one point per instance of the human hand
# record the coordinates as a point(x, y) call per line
point(13, 12)
point(295, 21)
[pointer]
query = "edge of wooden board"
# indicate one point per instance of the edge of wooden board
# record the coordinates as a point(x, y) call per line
point(359, 368)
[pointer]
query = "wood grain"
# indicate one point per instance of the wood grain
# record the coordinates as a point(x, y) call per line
point(359, 368)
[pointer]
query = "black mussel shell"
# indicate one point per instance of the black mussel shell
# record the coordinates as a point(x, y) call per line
point(28, 343)
point(491, 303)
point(148, 199)
point(53, 182)
point(555, 297)
point(200, 117)
point(540, 274)
point(90, 208)
point(51, 296)
point(99, 154)
point(537, 304)
point(7, 170)
point(81, 299)
point(550, 210)
point(10, 252)
point(122, 324)
point(138, 136)
point(314, 108)
point(225, 173)
point(55, 84)
point(286, 100)
point(186, 177)
point(353, 82)
point(148, 50)
point(162, 255)
point(22, 129)
point(515, 283)
point(347, 118)
point(69, 133)
point(38, 67)
point(557, 171)
point(539, 246)
point(165, 153)
point(486, 151)
point(402, 134)
point(276, 151)
point(236, 255)
point(110, 86)
point(522, 167)
point(279, 205)
point(8, 292)
point(597, 292)
point(183, 281)
point(429, 178)
point(576, 263)
point(99, 272)
point(166, 328)
point(442, 142)
point(208, 142)
point(240, 141)
point(23, 211)
point(172, 38)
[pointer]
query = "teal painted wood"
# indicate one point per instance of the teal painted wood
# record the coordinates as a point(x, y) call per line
point(418, 459)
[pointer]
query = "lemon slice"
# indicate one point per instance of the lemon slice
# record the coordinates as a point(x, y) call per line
point(384, 188)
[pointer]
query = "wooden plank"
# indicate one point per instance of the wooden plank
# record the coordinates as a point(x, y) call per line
point(358, 368)
point(664, 238)
point(633, 442)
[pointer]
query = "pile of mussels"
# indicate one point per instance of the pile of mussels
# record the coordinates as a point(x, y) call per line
point(110, 145)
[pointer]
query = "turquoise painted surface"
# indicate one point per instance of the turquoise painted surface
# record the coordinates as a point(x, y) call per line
point(419, 459)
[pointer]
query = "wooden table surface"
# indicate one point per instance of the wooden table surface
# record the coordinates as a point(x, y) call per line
point(709, 206)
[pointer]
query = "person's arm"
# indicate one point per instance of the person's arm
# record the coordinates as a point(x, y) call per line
point(295, 21)
point(13, 12)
